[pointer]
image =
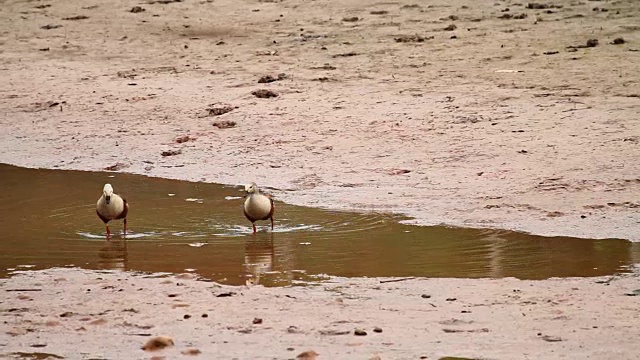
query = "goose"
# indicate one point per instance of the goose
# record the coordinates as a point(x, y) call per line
point(112, 206)
point(257, 206)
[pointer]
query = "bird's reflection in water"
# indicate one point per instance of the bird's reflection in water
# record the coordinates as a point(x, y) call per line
point(113, 256)
point(259, 256)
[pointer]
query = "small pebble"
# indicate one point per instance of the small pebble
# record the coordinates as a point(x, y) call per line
point(191, 352)
point(307, 355)
point(359, 332)
point(377, 329)
point(551, 338)
point(263, 93)
point(592, 42)
point(293, 329)
point(257, 321)
point(186, 316)
point(618, 41)
point(157, 343)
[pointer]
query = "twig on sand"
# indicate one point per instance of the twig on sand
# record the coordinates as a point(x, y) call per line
point(394, 280)
point(576, 109)
point(24, 290)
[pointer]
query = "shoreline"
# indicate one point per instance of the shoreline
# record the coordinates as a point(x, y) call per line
point(337, 199)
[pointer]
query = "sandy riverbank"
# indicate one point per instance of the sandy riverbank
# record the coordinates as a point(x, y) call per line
point(81, 314)
point(383, 106)
point(380, 107)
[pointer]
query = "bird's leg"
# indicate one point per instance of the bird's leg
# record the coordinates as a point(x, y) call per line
point(125, 226)
point(108, 233)
point(254, 227)
point(271, 223)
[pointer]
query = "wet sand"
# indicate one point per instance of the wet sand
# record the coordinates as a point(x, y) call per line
point(110, 315)
point(506, 120)
point(479, 114)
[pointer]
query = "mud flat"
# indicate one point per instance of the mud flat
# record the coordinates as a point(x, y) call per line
point(493, 114)
point(83, 314)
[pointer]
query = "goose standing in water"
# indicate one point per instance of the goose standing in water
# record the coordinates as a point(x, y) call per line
point(112, 206)
point(257, 206)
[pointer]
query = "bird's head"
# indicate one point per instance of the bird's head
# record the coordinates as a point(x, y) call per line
point(251, 188)
point(107, 192)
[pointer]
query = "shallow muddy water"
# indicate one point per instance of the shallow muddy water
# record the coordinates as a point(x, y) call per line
point(48, 218)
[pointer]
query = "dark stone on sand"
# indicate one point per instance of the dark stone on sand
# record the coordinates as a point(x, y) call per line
point(411, 38)
point(217, 111)
point(50, 27)
point(157, 343)
point(268, 78)
point(224, 124)
point(171, 152)
point(537, 6)
point(618, 41)
point(551, 338)
point(264, 93)
point(592, 42)
point(77, 17)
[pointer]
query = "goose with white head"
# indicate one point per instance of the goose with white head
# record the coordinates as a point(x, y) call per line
point(257, 206)
point(112, 206)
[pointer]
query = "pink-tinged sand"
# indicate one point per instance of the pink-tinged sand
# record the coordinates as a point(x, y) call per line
point(494, 133)
point(81, 314)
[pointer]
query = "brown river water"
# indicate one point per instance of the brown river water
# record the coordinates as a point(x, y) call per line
point(48, 219)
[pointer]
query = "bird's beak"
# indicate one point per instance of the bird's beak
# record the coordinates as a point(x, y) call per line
point(108, 199)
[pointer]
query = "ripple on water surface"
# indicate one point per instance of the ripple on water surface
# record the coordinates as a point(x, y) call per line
point(48, 219)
